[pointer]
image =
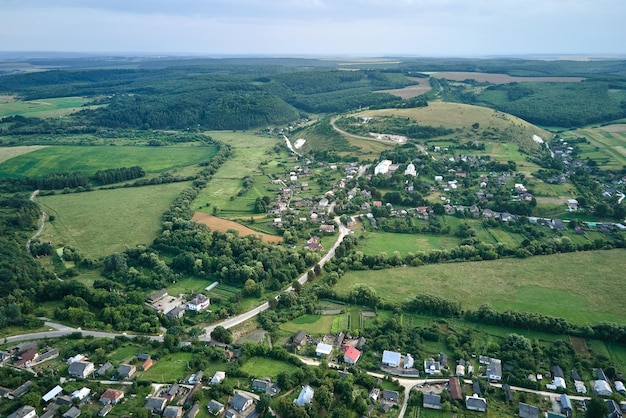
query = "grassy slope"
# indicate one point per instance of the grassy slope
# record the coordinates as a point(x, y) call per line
point(562, 285)
point(249, 151)
point(101, 222)
point(90, 159)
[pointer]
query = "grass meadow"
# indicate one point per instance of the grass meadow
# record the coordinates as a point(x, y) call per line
point(169, 368)
point(266, 367)
point(89, 159)
point(47, 108)
point(105, 221)
point(249, 151)
point(583, 287)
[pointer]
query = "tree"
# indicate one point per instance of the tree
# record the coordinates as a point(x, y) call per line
point(596, 408)
point(222, 335)
point(263, 404)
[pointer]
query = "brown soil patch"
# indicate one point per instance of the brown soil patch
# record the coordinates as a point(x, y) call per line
point(580, 346)
point(500, 78)
point(422, 86)
point(223, 225)
point(614, 128)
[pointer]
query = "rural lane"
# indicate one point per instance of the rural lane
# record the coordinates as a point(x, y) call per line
point(42, 223)
point(236, 320)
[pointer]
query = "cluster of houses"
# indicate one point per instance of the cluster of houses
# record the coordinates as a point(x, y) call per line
point(27, 355)
point(175, 307)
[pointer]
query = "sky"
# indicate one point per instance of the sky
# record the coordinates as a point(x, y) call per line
point(465, 28)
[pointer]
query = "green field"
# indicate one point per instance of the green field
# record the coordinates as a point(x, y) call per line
point(188, 285)
point(249, 151)
point(387, 242)
point(47, 108)
point(101, 222)
point(266, 367)
point(607, 145)
point(311, 324)
point(580, 287)
point(89, 159)
point(170, 368)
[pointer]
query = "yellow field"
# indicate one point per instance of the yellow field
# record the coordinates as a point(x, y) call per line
point(422, 86)
point(6, 153)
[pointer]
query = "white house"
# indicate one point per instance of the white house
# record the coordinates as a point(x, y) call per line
point(323, 349)
point(602, 388)
point(52, 393)
point(218, 377)
point(81, 393)
point(572, 205)
point(305, 396)
point(382, 167)
point(432, 367)
point(408, 361)
point(391, 358)
point(199, 303)
point(410, 170)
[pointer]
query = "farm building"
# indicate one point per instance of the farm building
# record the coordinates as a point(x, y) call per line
point(566, 405)
point(391, 358)
point(454, 386)
point(432, 401)
point(528, 411)
point(382, 167)
point(52, 393)
point(157, 296)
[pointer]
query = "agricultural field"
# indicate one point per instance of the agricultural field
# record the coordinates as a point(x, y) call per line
point(311, 324)
point(47, 108)
point(89, 159)
point(101, 222)
point(423, 86)
point(501, 78)
point(607, 145)
point(249, 151)
point(168, 369)
point(584, 295)
point(223, 225)
point(387, 242)
point(6, 153)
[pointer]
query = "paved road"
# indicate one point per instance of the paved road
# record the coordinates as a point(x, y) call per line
point(236, 320)
point(59, 330)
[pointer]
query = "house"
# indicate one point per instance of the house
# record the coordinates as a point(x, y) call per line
point(103, 412)
point(157, 296)
point(104, 369)
point(155, 405)
point(214, 407)
point(360, 343)
point(111, 396)
point(146, 365)
point(460, 370)
point(572, 205)
point(81, 369)
point(261, 385)
point(432, 401)
point(81, 393)
point(351, 355)
point(476, 403)
point(374, 393)
point(64, 400)
point(408, 361)
point(126, 371)
point(300, 338)
point(602, 388)
point(613, 408)
point(350, 222)
point(173, 412)
point(218, 377)
point(390, 396)
point(391, 358)
point(410, 170)
point(580, 387)
point(171, 392)
point(176, 313)
point(432, 367)
point(566, 405)
point(619, 386)
point(557, 372)
point(338, 342)
point(193, 411)
point(199, 303)
point(26, 411)
point(323, 349)
point(20, 391)
point(51, 411)
point(73, 412)
point(77, 357)
point(27, 357)
point(454, 386)
point(305, 396)
point(240, 402)
point(327, 228)
point(382, 167)
point(52, 393)
point(528, 411)
point(494, 370)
